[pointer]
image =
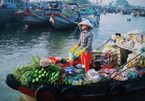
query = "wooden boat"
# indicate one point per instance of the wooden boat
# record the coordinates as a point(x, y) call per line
point(63, 22)
point(91, 13)
point(142, 14)
point(36, 21)
point(66, 18)
point(95, 20)
point(104, 91)
point(7, 16)
point(108, 89)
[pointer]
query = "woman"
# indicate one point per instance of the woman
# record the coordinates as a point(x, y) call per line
point(85, 43)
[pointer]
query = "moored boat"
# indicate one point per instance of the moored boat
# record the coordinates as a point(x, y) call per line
point(67, 18)
point(142, 13)
point(36, 21)
point(63, 22)
point(103, 84)
point(91, 13)
point(7, 16)
point(104, 91)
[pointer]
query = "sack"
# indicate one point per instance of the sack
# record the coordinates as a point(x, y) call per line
point(93, 75)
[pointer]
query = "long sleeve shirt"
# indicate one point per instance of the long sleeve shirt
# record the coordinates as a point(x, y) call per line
point(85, 41)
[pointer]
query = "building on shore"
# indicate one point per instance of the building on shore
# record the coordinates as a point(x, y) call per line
point(10, 1)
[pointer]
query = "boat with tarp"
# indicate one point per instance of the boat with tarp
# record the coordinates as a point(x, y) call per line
point(117, 71)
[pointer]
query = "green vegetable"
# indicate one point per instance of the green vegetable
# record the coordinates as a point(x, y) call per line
point(53, 74)
point(43, 75)
point(42, 69)
point(39, 76)
point(33, 81)
point(47, 74)
point(35, 75)
point(57, 75)
point(45, 71)
point(40, 72)
point(37, 79)
point(36, 71)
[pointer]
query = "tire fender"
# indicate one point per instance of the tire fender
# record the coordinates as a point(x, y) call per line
point(117, 91)
point(50, 93)
point(12, 82)
point(70, 89)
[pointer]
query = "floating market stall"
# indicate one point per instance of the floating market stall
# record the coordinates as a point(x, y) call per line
point(117, 70)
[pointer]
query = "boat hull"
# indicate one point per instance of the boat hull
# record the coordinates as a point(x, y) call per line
point(37, 21)
point(7, 16)
point(62, 22)
point(103, 91)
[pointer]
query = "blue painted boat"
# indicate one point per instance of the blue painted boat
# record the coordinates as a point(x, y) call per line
point(36, 21)
point(7, 16)
point(63, 22)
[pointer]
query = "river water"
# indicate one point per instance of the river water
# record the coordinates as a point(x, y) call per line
point(17, 46)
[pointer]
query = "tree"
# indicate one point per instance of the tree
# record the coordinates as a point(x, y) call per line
point(121, 3)
point(80, 1)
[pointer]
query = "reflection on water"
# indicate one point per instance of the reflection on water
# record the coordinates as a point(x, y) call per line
point(17, 46)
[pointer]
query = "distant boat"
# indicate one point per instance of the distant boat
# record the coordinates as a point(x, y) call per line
point(7, 16)
point(95, 20)
point(126, 11)
point(67, 18)
point(63, 22)
point(142, 14)
point(128, 19)
point(135, 13)
point(36, 21)
point(91, 13)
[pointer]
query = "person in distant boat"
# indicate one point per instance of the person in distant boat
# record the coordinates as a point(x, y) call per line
point(26, 7)
point(85, 44)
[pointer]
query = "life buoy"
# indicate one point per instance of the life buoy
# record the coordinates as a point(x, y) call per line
point(45, 93)
point(12, 82)
point(117, 91)
point(70, 90)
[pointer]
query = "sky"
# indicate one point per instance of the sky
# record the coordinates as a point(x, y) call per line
point(132, 2)
point(137, 2)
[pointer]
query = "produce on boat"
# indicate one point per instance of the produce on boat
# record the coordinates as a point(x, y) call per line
point(116, 69)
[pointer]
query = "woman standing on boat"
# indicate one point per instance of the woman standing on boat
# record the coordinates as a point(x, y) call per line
point(85, 43)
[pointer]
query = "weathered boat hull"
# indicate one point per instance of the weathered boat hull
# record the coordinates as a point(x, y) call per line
point(102, 91)
point(37, 21)
point(7, 16)
point(62, 22)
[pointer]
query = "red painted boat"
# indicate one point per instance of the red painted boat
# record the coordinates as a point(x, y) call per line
point(103, 91)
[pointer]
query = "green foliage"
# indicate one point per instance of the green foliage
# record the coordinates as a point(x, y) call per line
point(36, 59)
